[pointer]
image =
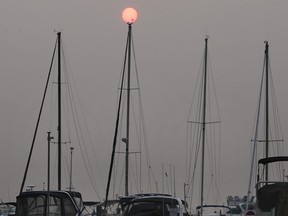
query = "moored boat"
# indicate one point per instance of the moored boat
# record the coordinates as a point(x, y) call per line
point(50, 202)
point(204, 126)
point(154, 205)
point(271, 186)
point(272, 196)
point(40, 203)
point(125, 202)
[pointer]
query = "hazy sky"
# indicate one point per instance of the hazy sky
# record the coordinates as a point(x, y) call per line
point(169, 42)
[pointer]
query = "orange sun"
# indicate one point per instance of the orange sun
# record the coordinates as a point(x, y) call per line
point(129, 15)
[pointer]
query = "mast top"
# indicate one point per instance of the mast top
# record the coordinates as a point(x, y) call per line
point(266, 45)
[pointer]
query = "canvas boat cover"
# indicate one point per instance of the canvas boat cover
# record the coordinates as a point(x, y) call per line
point(274, 196)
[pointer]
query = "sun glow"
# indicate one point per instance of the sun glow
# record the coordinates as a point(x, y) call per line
point(129, 15)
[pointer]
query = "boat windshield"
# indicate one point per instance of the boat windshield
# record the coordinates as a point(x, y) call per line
point(78, 202)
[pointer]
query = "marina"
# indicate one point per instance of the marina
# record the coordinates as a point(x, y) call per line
point(109, 130)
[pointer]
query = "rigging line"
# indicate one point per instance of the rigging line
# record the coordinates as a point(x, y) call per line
point(146, 147)
point(277, 133)
point(116, 128)
point(196, 86)
point(55, 166)
point(198, 108)
point(197, 132)
point(219, 162)
point(139, 141)
point(66, 99)
point(197, 150)
point(138, 177)
point(211, 153)
point(141, 117)
point(137, 130)
point(37, 124)
point(118, 184)
point(119, 93)
point(78, 98)
point(121, 185)
point(212, 158)
point(209, 190)
point(210, 149)
point(73, 107)
point(52, 104)
point(199, 86)
point(274, 133)
point(153, 176)
point(197, 140)
point(79, 133)
point(115, 169)
point(121, 125)
point(254, 148)
point(87, 163)
point(134, 176)
point(258, 110)
point(189, 153)
point(277, 122)
point(67, 171)
point(214, 87)
point(211, 162)
point(216, 166)
point(218, 112)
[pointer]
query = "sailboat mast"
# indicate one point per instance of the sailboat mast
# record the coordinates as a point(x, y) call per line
point(59, 110)
point(128, 110)
point(267, 107)
point(204, 124)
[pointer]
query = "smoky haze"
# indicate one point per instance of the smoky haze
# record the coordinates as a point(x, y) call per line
point(169, 42)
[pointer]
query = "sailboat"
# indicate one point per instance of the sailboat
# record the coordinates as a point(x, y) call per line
point(204, 120)
point(129, 17)
point(271, 186)
point(49, 202)
point(139, 203)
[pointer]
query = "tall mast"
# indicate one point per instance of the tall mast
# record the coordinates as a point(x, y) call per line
point(204, 124)
point(128, 110)
point(267, 107)
point(59, 110)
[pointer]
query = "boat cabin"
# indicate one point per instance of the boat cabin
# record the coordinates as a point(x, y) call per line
point(271, 196)
point(42, 203)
